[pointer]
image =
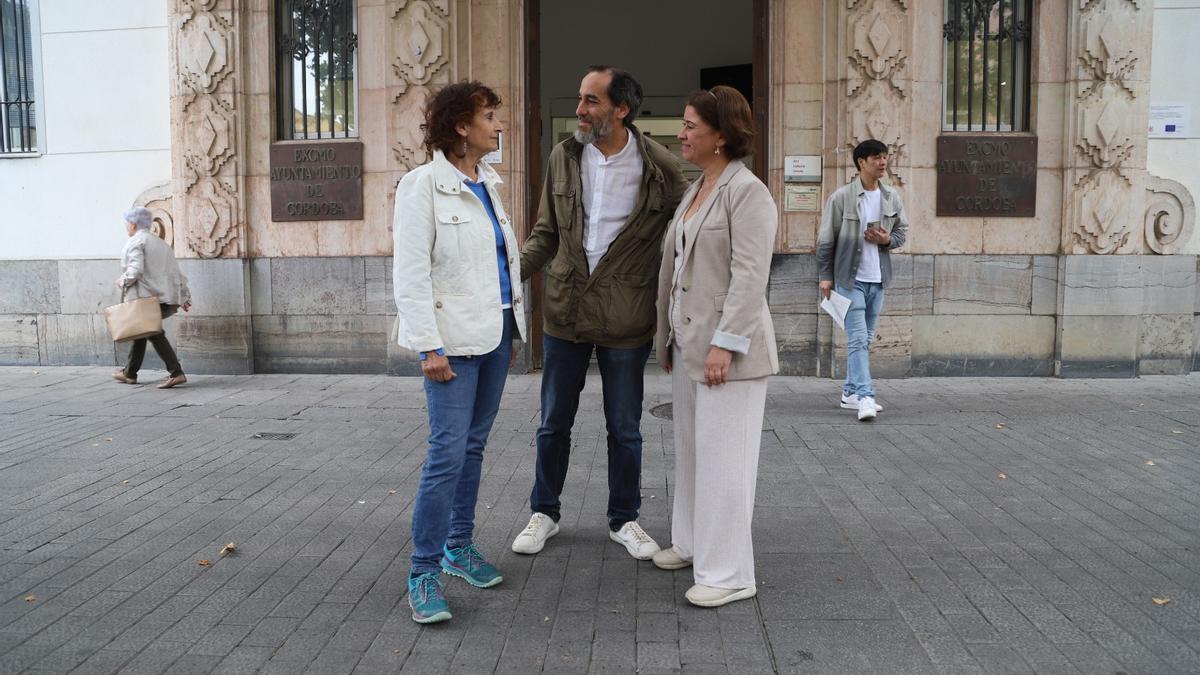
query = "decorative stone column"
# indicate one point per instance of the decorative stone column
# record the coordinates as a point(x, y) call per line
point(422, 49)
point(1123, 309)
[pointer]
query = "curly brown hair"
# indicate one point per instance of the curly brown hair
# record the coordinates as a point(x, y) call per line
point(726, 110)
point(453, 105)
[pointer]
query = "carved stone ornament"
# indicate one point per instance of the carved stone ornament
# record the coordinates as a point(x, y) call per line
point(193, 6)
point(1103, 214)
point(205, 58)
point(211, 217)
point(876, 78)
point(409, 149)
point(209, 136)
point(159, 200)
point(1170, 215)
point(422, 43)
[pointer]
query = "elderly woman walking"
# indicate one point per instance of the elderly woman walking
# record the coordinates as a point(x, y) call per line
point(150, 271)
point(458, 295)
point(716, 338)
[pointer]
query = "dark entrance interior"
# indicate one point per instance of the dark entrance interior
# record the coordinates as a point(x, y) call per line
point(673, 47)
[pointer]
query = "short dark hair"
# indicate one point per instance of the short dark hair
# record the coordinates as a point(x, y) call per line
point(624, 89)
point(868, 148)
point(454, 104)
point(726, 110)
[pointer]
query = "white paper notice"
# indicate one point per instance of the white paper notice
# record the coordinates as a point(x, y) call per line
point(1170, 120)
point(836, 306)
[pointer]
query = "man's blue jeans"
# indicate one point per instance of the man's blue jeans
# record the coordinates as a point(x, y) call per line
point(565, 368)
point(866, 303)
point(461, 413)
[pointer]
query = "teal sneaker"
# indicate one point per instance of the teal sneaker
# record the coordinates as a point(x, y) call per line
point(467, 562)
point(426, 599)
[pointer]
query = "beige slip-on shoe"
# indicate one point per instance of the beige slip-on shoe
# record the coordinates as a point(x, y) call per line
point(669, 559)
point(172, 381)
point(708, 596)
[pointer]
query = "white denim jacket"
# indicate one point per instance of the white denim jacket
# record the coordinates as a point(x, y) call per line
point(444, 273)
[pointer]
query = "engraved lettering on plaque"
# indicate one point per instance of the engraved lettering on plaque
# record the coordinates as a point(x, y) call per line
point(987, 176)
point(316, 181)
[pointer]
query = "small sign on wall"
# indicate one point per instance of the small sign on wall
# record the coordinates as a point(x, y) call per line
point(801, 197)
point(1170, 120)
point(316, 181)
point(802, 169)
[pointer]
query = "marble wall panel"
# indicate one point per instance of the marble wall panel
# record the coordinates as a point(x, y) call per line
point(947, 345)
point(380, 298)
point(87, 286)
point(1101, 285)
point(982, 284)
point(796, 339)
point(260, 286)
point(1168, 284)
point(29, 287)
point(321, 344)
point(1167, 344)
point(1099, 346)
point(922, 289)
point(1044, 292)
point(214, 344)
point(793, 284)
point(19, 340)
point(75, 340)
point(318, 286)
point(219, 286)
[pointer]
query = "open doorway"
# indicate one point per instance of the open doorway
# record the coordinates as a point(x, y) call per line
point(673, 47)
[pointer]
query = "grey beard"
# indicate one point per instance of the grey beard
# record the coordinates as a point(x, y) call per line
point(600, 129)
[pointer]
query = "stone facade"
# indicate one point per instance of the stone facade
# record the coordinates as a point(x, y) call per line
point(1100, 281)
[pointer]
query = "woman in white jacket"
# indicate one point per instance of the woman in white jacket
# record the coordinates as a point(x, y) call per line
point(458, 295)
point(149, 270)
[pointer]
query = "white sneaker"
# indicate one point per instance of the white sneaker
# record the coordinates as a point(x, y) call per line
point(851, 403)
point(866, 409)
point(533, 538)
point(635, 540)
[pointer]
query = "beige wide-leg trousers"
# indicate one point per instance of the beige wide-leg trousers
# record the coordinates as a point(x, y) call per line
point(718, 432)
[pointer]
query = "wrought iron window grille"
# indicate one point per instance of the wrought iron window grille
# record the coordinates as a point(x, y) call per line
point(18, 114)
point(316, 69)
point(988, 50)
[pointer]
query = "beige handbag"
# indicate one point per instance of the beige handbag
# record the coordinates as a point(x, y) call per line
point(133, 319)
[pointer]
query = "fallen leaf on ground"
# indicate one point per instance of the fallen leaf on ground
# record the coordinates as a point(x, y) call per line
point(395, 651)
point(391, 492)
point(839, 579)
point(1150, 462)
point(229, 548)
point(31, 598)
point(1177, 431)
point(1000, 426)
point(1160, 601)
point(124, 482)
point(361, 501)
point(108, 440)
point(545, 619)
point(205, 563)
point(1002, 477)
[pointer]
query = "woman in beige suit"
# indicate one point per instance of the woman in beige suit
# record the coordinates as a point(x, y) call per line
point(716, 339)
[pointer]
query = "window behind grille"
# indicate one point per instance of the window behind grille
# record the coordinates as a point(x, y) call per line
point(18, 120)
point(315, 78)
point(987, 55)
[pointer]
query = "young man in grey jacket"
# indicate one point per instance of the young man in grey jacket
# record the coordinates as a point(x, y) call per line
point(863, 221)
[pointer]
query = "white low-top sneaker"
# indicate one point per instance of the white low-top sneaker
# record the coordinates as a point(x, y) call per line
point(708, 596)
point(851, 403)
point(866, 409)
point(635, 540)
point(533, 538)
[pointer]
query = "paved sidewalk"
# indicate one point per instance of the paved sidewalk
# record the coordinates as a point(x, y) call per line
point(999, 525)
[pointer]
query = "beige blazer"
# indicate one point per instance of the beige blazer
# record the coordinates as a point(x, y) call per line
point(723, 279)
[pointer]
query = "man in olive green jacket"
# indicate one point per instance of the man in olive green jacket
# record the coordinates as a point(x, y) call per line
point(609, 195)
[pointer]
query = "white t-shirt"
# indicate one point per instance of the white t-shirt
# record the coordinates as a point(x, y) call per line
point(868, 264)
point(610, 190)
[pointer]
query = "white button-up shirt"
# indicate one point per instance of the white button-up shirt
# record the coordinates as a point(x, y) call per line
point(610, 190)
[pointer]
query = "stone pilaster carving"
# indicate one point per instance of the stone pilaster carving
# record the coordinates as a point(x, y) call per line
point(1106, 169)
point(160, 200)
point(206, 110)
point(878, 102)
point(423, 44)
point(1170, 215)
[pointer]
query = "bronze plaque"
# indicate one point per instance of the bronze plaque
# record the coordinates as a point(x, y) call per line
point(316, 181)
point(987, 176)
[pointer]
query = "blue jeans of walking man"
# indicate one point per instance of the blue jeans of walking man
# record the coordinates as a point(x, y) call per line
point(866, 303)
point(461, 413)
point(565, 369)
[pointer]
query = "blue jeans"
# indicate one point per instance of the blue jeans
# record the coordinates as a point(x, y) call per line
point(866, 303)
point(565, 368)
point(461, 413)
